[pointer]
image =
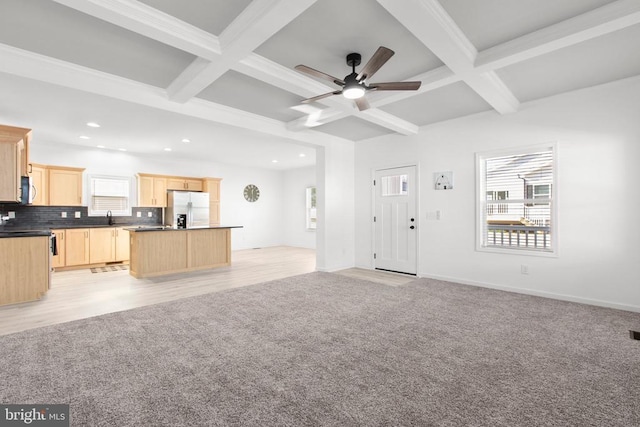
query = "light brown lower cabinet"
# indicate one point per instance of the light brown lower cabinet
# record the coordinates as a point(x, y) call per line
point(59, 260)
point(24, 262)
point(77, 246)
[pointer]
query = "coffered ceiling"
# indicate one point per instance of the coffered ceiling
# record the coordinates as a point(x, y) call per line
point(221, 73)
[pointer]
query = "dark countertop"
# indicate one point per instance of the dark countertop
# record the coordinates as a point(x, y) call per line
point(25, 233)
point(167, 228)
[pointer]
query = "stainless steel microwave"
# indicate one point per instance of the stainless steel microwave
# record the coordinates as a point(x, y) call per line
point(27, 190)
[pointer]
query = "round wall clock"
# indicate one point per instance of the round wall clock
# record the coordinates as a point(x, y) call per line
point(251, 193)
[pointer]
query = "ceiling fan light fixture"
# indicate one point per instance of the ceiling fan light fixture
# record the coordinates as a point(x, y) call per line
point(353, 92)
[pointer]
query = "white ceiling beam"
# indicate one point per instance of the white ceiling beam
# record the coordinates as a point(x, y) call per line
point(598, 22)
point(430, 23)
point(142, 19)
point(34, 66)
point(257, 23)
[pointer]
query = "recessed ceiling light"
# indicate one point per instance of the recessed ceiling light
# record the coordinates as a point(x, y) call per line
point(274, 161)
point(84, 137)
point(100, 146)
point(185, 140)
point(303, 155)
point(93, 125)
point(122, 149)
point(167, 149)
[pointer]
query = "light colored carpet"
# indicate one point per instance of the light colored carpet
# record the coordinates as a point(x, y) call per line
point(327, 350)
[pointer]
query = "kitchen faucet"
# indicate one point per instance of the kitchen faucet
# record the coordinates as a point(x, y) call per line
point(110, 217)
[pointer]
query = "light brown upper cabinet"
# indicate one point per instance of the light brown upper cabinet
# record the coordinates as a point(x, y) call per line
point(40, 182)
point(65, 186)
point(152, 191)
point(212, 186)
point(185, 184)
point(14, 157)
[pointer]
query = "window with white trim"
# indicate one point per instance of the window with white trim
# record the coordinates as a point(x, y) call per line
point(109, 193)
point(516, 200)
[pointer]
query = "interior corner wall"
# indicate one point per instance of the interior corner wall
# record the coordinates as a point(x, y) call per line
point(335, 241)
point(598, 136)
point(294, 203)
point(262, 220)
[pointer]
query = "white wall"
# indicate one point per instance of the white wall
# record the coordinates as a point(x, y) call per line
point(262, 220)
point(598, 134)
point(295, 184)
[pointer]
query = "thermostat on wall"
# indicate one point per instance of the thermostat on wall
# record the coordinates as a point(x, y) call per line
point(443, 180)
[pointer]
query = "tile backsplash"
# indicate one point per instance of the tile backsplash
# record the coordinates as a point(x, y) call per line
point(45, 217)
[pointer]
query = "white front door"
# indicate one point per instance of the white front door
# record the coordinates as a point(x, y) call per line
point(396, 223)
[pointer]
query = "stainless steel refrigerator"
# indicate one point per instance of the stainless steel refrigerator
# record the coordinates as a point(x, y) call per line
point(194, 205)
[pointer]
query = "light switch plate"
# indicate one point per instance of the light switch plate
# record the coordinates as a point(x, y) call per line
point(12, 215)
point(150, 214)
point(139, 214)
point(63, 214)
point(78, 214)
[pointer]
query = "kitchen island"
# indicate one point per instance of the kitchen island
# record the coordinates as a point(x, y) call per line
point(156, 251)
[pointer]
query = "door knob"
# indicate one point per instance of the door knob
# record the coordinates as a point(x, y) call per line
point(412, 219)
point(412, 227)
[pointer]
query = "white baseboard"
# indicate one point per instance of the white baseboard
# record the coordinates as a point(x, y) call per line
point(537, 293)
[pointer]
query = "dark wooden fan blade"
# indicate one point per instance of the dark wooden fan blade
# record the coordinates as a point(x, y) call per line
point(319, 74)
point(378, 59)
point(324, 95)
point(395, 86)
point(362, 103)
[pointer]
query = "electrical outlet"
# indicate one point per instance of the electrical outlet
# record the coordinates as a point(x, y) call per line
point(150, 214)
point(78, 214)
point(139, 214)
point(438, 215)
point(524, 269)
point(12, 215)
point(63, 214)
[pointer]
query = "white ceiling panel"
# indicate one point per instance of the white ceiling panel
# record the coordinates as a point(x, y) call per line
point(456, 100)
point(488, 23)
point(353, 128)
point(212, 16)
point(324, 34)
point(56, 31)
point(596, 61)
point(240, 91)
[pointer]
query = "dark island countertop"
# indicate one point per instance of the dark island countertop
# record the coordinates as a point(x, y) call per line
point(167, 228)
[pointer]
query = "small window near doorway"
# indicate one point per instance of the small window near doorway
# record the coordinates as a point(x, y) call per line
point(394, 185)
point(311, 208)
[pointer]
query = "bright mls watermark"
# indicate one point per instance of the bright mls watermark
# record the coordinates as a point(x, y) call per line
point(34, 415)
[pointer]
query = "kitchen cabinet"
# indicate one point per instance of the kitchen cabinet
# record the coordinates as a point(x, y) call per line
point(14, 156)
point(59, 260)
point(40, 183)
point(24, 262)
point(65, 186)
point(185, 184)
point(212, 186)
point(122, 244)
point(108, 244)
point(77, 246)
point(152, 191)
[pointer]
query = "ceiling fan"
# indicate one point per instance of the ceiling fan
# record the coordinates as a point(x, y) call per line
point(355, 85)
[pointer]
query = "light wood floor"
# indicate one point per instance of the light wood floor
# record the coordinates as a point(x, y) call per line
point(81, 294)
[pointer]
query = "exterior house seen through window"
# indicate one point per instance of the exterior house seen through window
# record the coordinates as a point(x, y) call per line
point(516, 200)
